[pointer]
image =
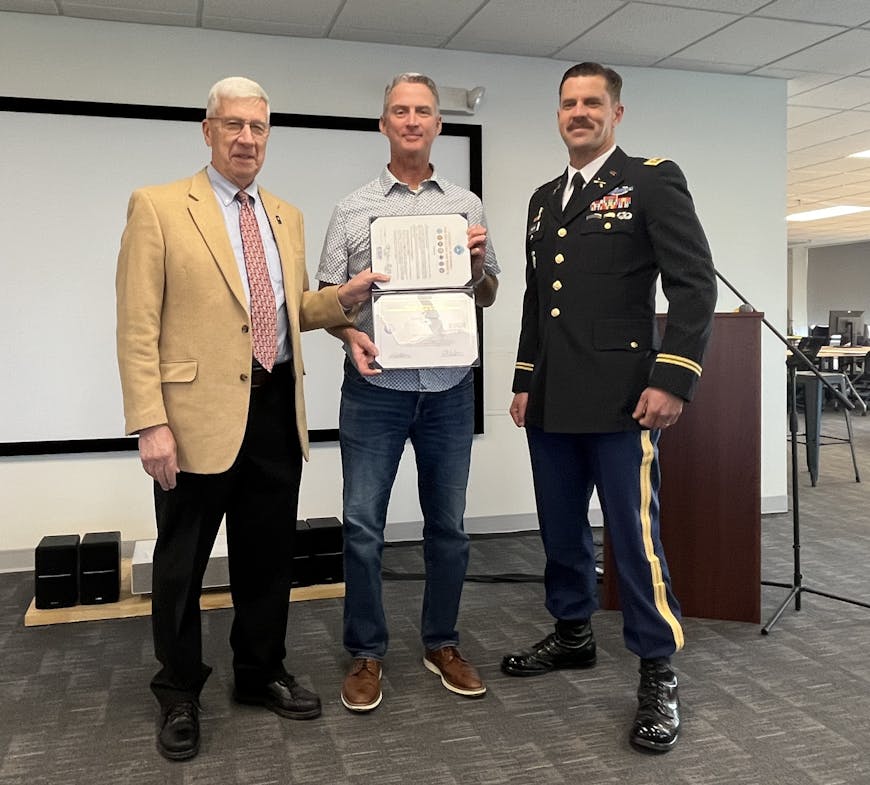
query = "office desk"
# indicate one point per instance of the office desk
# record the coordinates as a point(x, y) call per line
point(844, 351)
point(829, 356)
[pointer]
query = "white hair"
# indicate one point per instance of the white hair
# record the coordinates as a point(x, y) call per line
point(234, 87)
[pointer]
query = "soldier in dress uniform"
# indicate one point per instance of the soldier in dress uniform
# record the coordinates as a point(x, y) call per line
point(595, 384)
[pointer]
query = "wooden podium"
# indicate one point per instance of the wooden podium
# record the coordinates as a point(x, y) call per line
point(711, 483)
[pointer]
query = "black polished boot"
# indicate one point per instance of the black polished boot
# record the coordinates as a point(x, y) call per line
point(656, 725)
point(572, 645)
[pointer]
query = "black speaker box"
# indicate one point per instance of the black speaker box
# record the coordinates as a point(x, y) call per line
point(301, 570)
point(327, 567)
point(100, 568)
point(326, 535)
point(56, 571)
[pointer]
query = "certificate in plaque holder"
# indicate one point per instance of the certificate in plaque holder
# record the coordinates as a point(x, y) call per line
point(424, 317)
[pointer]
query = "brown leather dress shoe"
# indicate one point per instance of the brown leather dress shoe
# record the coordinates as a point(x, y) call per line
point(457, 674)
point(361, 689)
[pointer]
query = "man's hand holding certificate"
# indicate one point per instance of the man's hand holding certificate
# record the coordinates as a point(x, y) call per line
point(424, 317)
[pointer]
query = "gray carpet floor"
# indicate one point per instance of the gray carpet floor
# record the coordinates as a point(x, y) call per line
point(789, 708)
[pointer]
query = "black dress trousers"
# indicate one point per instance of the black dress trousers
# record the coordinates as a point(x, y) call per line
point(259, 495)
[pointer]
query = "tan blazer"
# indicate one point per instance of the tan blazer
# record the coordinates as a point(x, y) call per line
point(183, 329)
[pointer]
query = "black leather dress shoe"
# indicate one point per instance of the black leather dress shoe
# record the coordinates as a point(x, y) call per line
point(656, 725)
point(179, 734)
point(555, 652)
point(286, 697)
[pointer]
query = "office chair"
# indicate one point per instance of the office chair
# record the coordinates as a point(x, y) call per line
point(861, 383)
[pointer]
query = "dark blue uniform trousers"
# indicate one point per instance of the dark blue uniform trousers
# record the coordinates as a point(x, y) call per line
point(624, 469)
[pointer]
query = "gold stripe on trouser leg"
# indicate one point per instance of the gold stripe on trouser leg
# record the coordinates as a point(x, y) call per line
point(658, 584)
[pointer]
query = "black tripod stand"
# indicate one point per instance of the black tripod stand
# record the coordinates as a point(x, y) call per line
point(798, 358)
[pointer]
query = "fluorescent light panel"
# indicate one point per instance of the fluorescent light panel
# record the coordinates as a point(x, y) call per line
point(862, 154)
point(826, 212)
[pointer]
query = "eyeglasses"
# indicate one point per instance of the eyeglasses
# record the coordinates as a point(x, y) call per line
point(232, 126)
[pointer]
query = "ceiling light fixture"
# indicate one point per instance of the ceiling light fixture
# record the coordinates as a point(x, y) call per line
point(862, 154)
point(826, 212)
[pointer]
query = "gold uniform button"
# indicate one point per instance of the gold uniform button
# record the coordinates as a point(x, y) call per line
point(633, 344)
point(562, 231)
point(608, 225)
point(559, 258)
point(557, 285)
point(555, 312)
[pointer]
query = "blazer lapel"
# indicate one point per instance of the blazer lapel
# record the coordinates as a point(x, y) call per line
point(209, 220)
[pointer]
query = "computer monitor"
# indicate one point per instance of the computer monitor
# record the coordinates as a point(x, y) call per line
point(820, 331)
point(849, 324)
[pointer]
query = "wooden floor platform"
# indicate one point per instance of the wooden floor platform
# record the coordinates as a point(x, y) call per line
point(130, 605)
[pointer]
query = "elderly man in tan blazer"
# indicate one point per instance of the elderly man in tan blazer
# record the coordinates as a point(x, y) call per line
point(212, 294)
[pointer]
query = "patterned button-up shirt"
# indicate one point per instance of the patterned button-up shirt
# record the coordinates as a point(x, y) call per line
point(347, 251)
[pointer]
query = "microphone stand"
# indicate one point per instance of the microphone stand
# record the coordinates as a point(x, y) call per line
point(796, 587)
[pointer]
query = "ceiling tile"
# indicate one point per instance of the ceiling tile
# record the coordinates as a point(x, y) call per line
point(753, 41)
point(157, 12)
point(524, 28)
point(29, 6)
point(842, 12)
point(415, 17)
point(275, 17)
point(798, 115)
point(828, 129)
point(847, 53)
point(646, 30)
point(688, 64)
point(368, 35)
point(733, 6)
point(846, 93)
point(183, 7)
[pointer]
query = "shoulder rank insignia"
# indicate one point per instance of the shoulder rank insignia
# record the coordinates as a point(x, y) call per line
point(655, 161)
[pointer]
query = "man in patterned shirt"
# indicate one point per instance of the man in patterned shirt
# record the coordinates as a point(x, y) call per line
point(381, 410)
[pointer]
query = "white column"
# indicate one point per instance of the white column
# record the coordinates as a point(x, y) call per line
point(798, 262)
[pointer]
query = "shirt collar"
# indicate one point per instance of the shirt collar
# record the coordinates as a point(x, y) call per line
point(591, 169)
point(225, 190)
point(388, 181)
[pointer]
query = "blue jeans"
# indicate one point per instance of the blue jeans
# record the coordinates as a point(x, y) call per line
point(374, 424)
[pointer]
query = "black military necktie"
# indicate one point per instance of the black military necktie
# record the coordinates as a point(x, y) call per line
point(578, 182)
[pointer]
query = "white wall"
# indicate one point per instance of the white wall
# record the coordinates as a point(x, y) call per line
point(838, 279)
point(736, 172)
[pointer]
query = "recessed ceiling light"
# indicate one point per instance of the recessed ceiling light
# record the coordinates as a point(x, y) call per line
point(862, 154)
point(826, 212)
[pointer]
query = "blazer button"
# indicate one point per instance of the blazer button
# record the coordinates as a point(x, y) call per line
point(557, 285)
point(562, 231)
point(243, 377)
point(555, 312)
point(559, 258)
point(633, 344)
point(245, 328)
